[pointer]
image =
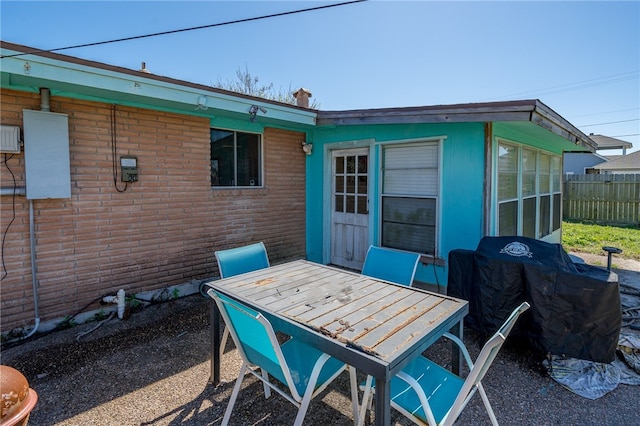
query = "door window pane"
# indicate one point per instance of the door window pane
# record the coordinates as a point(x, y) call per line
point(362, 205)
point(362, 184)
point(350, 179)
point(351, 204)
point(351, 184)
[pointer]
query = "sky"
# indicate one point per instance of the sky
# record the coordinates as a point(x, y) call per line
point(580, 58)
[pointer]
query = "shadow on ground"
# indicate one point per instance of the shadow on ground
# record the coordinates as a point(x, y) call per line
point(153, 369)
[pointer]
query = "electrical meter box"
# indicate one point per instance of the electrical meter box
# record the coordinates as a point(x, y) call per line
point(129, 166)
point(46, 155)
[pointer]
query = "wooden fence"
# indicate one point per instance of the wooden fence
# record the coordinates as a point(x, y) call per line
point(608, 199)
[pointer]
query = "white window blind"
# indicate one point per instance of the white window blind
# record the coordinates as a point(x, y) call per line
point(410, 186)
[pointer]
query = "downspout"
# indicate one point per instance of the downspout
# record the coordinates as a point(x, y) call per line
point(44, 106)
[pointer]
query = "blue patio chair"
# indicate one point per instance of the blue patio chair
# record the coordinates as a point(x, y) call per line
point(428, 394)
point(236, 261)
point(391, 265)
point(303, 370)
point(243, 259)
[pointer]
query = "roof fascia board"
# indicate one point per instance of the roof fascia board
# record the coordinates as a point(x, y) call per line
point(545, 117)
point(532, 111)
point(34, 67)
point(416, 118)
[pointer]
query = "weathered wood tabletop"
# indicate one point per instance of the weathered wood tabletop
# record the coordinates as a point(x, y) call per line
point(375, 326)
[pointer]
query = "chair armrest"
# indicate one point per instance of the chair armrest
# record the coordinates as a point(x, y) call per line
point(463, 348)
point(424, 402)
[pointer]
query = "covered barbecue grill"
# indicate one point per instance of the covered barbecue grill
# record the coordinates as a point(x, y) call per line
point(575, 308)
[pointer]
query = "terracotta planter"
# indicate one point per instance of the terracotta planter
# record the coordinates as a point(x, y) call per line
point(17, 398)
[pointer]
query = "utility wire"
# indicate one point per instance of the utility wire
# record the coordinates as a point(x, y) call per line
point(237, 21)
point(603, 113)
point(610, 122)
point(579, 85)
point(622, 136)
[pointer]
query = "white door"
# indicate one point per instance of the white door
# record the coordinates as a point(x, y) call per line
point(349, 207)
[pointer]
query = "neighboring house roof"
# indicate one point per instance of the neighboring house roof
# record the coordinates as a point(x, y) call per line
point(606, 142)
point(630, 162)
point(24, 68)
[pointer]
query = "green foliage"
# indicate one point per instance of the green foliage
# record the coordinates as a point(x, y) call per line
point(585, 237)
point(132, 301)
point(16, 333)
point(67, 322)
point(100, 315)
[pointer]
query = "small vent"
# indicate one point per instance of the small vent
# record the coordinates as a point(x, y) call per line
point(10, 139)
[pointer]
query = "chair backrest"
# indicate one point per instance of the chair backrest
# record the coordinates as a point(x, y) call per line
point(485, 358)
point(391, 265)
point(243, 259)
point(254, 337)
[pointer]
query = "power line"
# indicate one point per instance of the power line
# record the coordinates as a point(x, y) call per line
point(610, 122)
point(578, 85)
point(606, 112)
point(237, 21)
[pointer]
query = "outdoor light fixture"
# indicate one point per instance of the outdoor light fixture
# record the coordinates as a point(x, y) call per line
point(253, 111)
point(202, 103)
point(307, 147)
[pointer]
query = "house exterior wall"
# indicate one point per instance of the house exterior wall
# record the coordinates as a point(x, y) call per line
point(462, 182)
point(577, 162)
point(161, 231)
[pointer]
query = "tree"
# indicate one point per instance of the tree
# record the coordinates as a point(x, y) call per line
point(247, 84)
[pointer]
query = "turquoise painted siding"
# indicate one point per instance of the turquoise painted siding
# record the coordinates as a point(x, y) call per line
point(462, 175)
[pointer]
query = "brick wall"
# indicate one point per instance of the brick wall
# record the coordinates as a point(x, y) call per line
point(160, 231)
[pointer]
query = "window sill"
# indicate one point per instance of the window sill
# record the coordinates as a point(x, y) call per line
point(432, 260)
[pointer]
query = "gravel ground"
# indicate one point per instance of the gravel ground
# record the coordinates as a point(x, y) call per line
point(152, 369)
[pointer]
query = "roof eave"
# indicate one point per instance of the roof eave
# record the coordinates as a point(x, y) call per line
point(532, 111)
point(122, 85)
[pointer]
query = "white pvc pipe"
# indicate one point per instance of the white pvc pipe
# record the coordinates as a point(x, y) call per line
point(34, 281)
point(121, 303)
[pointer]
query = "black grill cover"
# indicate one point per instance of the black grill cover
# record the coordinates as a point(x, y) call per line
point(575, 308)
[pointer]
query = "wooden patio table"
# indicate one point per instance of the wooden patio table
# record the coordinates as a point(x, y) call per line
point(373, 325)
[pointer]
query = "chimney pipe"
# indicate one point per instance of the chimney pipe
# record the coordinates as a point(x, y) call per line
point(143, 68)
point(44, 99)
point(302, 96)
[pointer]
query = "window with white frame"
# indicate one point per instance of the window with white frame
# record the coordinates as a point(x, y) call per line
point(410, 188)
point(529, 191)
point(236, 158)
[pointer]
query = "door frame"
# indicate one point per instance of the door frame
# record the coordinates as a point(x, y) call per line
point(327, 193)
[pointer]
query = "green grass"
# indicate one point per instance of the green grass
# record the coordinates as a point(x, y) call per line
point(590, 238)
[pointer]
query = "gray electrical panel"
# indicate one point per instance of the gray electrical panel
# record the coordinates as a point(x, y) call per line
point(46, 155)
